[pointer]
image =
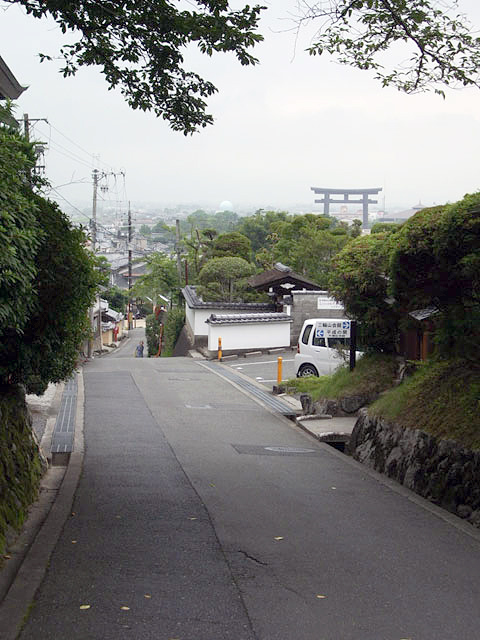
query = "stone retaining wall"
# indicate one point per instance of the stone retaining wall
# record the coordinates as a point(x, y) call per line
point(440, 470)
point(21, 464)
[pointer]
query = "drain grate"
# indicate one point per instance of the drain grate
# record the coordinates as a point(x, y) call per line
point(64, 430)
point(272, 402)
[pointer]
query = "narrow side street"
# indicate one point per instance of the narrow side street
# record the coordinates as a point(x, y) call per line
point(200, 515)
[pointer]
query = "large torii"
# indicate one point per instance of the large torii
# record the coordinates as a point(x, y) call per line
point(364, 201)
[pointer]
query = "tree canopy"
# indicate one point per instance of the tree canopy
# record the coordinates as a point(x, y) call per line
point(223, 278)
point(46, 350)
point(161, 278)
point(359, 280)
point(20, 233)
point(139, 46)
point(436, 262)
point(232, 244)
point(436, 45)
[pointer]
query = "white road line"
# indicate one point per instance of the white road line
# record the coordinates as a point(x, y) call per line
point(249, 364)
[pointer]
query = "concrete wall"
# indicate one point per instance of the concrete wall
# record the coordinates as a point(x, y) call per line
point(311, 304)
point(241, 336)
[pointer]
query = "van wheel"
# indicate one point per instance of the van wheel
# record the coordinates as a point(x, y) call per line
point(307, 370)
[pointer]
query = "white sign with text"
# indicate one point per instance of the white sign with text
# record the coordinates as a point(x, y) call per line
point(333, 329)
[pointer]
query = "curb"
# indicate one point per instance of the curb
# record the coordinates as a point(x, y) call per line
point(42, 530)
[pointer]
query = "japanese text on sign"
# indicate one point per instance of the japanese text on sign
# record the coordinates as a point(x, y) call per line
point(332, 329)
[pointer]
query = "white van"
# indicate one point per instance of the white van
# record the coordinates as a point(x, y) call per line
point(318, 354)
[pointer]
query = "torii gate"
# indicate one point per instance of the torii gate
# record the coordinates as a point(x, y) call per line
point(365, 201)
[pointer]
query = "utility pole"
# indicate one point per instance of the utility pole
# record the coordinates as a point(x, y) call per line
point(94, 209)
point(129, 267)
point(177, 248)
point(26, 127)
point(38, 147)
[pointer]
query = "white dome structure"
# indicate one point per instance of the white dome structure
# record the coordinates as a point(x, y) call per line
point(225, 205)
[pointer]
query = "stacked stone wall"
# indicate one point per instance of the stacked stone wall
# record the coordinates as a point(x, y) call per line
point(21, 465)
point(441, 471)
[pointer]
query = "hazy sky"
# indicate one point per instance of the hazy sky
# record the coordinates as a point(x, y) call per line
point(290, 123)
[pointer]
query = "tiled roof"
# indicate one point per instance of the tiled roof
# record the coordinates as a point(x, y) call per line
point(9, 85)
point(279, 275)
point(248, 318)
point(194, 302)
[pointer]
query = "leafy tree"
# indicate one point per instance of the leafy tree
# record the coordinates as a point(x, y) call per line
point(225, 221)
point(199, 250)
point(162, 278)
point(64, 287)
point(224, 278)
point(385, 227)
point(441, 47)
point(174, 324)
point(160, 227)
point(359, 280)
point(307, 244)
point(152, 334)
point(232, 244)
point(221, 221)
point(163, 233)
point(356, 229)
point(117, 298)
point(437, 262)
point(20, 233)
point(104, 269)
point(413, 265)
point(139, 46)
point(259, 226)
point(145, 230)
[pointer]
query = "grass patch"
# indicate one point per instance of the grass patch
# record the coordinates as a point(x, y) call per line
point(373, 373)
point(441, 398)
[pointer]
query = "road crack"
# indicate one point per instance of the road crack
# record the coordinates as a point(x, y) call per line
point(247, 555)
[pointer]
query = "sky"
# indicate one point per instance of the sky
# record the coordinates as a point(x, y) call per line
point(290, 123)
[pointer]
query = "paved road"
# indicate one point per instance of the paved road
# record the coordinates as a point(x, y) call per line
point(210, 518)
point(263, 368)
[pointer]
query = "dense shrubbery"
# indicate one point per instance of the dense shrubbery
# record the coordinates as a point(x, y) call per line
point(173, 326)
point(433, 260)
point(20, 232)
point(152, 333)
point(358, 280)
point(47, 282)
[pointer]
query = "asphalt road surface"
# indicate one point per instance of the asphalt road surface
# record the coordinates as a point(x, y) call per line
point(200, 515)
point(264, 368)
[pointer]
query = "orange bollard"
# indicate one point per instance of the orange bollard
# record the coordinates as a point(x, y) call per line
point(279, 369)
point(219, 348)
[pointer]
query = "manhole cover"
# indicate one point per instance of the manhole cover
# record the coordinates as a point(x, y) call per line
point(289, 450)
point(272, 450)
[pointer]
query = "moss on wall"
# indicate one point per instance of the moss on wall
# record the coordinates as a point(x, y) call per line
point(21, 466)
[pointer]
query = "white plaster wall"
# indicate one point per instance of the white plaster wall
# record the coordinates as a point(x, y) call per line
point(201, 315)
point(190, 320)
point(262, 335)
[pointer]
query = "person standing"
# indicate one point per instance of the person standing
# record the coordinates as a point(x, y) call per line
point(139, 350)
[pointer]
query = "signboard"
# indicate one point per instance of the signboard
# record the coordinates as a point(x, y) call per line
point(326, 302)
point(333, 329)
